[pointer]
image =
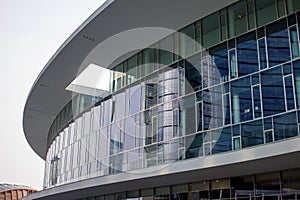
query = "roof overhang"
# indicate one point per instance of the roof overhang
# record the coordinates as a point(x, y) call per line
point(48, 94)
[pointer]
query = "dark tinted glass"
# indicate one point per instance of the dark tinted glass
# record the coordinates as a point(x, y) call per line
point(278, 43)
point(252, 133)
point(247, 54)
point(285, 126)
point(272, 91)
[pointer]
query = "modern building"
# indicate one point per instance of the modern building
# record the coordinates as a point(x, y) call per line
point(172, 100)
point(14, 192)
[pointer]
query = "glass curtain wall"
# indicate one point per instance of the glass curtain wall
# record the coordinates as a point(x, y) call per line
point(236, 94)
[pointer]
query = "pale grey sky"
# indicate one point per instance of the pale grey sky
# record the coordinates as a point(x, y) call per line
point(30, 33)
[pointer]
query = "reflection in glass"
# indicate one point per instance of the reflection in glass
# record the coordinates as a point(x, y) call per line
point(219, 57)
point(268, 184)
point(294, 41)
point(265, 11)
point(194, 145)
point(237, 23)
point(210, 30)
point(236, 143)
point(285, 126)
point(221, 140)
point(187, 38)
point(241, 99)
point(280, 8)
point(262, 53)
point(242, 187)
point(289, 90)
point(250, 12)
point(278, 43)
point(252, 133)
point(272, 91)
point(256, 101)
point(247, 54)
point(233, 63)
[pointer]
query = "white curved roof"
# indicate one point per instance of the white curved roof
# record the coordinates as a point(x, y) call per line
point(48, 95)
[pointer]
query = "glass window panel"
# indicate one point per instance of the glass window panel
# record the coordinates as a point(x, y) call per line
point(110, 197)
point(252, 133)
point(219, 57)
point(96, 118)
point(194, 145)
point(269, 136)
point(199, 116)
point(75, 155)
point(187, 38)
point(291, 184)
point(292, 5)
point(262, 53)
point(221, 140)
point(287, 69)
point(242, 186)
point(294, 41)
point(280, 8)
point(205, 70)
point(268, 184)
point(210, 30)
point(129, 142)
point(135, 99)
point(233, 63)
point(165, 52)
point(285, 126)
point(162, 190)
point(72, 133)
point(223, 26)
point(103, 138)
point(207, 149)
point(131, 69)
point(291, 20)
point(237, 21)
point(237, 143)
point(255, 79)
point(265, 11)
point(250, 17)
point(147, 192)
point(115, 139)
point(236, 130)
point(107, 112)
point(226, 107)
point(220, 189)
point(187, 112)
point(66, 137)
point(83, 151)
point(272, 91)
point(201, 186)
point(297, 80)
point(241, 100)
point(92, 147)
point(256, 101)
point(289, 90)
point(117, 77)
point(268, 123)
point(193, 72)
point(148, 61)
point(212, 107)
point(278, 43)
point(247, 54)
point(87, 123)
point(120, 106)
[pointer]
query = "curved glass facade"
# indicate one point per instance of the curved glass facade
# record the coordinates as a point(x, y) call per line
point(240, 90)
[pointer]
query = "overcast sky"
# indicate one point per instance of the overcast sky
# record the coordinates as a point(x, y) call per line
point(30, 33)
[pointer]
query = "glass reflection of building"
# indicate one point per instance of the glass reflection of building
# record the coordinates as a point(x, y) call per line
point(234, 85)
